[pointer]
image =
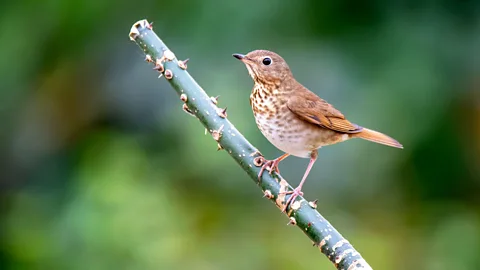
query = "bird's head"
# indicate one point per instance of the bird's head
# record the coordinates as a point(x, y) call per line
point(265, 66)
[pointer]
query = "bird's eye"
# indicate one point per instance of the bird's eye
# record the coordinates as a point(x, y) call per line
point(267, 61)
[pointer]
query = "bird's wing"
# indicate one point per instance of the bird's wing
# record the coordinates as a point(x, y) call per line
point(310, 107)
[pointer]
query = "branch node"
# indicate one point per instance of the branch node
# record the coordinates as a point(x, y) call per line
point(222, 112)
point(258, 161)
point(214, 99)
point(169, 55)
point(313, 204)
point(148, 58)
point(183, 64)
point(168, 74)
point(187, 110)
point(183, 97)
point(217, 134)
point(292, 221)
point(150, 25)
point(158, 66)
point(267, 194)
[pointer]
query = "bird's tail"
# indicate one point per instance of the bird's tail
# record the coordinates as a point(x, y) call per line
point(375, 136)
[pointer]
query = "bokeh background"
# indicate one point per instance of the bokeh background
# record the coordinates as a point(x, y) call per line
point(101, 169)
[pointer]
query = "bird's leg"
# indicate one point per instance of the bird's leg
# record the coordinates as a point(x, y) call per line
point(272, 164)
point(298, 190)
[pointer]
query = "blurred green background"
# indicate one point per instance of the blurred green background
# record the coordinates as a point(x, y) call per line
point(101, 169)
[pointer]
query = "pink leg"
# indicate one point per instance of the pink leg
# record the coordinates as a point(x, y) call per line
point(298, 190)
point(273, 164)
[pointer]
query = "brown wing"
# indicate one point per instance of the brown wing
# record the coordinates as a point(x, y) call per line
point(310, 107)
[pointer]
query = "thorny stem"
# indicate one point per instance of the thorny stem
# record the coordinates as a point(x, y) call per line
point(196, 102)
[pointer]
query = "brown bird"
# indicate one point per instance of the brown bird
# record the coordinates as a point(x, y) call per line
point(293, 118)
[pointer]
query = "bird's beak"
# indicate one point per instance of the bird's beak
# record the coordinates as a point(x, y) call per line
point(239, 56)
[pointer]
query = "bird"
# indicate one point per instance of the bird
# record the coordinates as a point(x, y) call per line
point(293, 118)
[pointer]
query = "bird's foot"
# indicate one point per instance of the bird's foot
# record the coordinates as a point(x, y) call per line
point(293, 195)
point(270, 166)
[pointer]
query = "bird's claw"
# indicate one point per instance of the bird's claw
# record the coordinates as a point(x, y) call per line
point(293, 195)
point(272, 166)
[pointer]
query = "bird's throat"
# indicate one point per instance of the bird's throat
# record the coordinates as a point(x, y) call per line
point(264, 91)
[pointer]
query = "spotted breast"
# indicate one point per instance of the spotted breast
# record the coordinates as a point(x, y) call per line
point(283, 128)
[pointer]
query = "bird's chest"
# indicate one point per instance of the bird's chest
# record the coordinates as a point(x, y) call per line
point(279, 125)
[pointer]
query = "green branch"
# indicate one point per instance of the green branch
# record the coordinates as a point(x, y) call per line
point(197, 103)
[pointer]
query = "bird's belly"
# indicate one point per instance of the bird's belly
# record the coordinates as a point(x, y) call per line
point(293, 145)
point(295, 136)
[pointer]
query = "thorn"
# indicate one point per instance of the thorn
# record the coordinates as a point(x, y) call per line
point(148, 58)
point(217, 134)
point(219, 147)
point(222, 112)
point(168, 74)
point(206, 130)
point(183, 97)
point(187, 110)
point(169, 55)
point(316, 244)
point(292, 221)
point(258, 161)
point(313, 204)
point(214, 99)
point(150, 25)
point(268, 194)
point(158, 66)
point(183, 64)
point(159, 76)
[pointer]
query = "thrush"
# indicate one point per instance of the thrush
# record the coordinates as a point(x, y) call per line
point(294, 119)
